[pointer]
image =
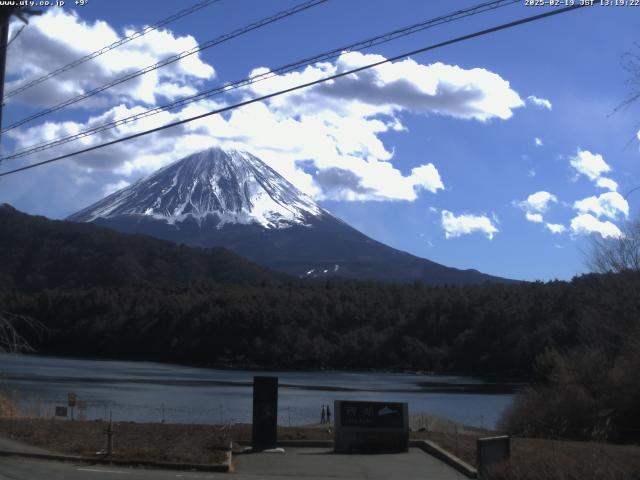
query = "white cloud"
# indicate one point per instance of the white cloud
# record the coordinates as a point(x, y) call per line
point(455, 226)
point(609, 184)
point(537, 202)
point(538, 142)
point(535, 205)
point(591, 165)
point(426, 177)
point(377, 181)
point(556, 228)
point(109, 188)
point(531, 173)
point(337, 152)
point(539, 102)
point(52, 40)
point(609, 204)
point(586, 224)
point(404, 85)
point(327, 139)
point(534, 217)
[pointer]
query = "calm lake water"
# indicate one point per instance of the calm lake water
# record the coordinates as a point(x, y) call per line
point(146, 391)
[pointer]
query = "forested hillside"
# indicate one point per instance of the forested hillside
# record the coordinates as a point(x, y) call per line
point(487, 329)
point(37, 253)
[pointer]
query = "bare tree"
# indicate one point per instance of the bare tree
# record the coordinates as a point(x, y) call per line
point(616, 254)
point(631, 63)
point(11, 338)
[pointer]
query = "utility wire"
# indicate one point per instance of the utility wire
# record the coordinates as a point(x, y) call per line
point(630, 192)
point(377, 40)
point(470, 36)
point(116, 44)
point(15, 36)
point(169, 60)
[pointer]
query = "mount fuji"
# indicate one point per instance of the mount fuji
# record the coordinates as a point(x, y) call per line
point(233, 199)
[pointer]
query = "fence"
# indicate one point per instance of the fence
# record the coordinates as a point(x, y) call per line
point(16, 403)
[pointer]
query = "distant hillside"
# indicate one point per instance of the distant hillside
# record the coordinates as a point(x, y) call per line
point(37, 253)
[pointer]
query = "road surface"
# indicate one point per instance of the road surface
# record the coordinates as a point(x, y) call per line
point(305, 463)
point(15, 468)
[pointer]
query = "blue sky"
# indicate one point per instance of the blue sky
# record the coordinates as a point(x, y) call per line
point(436, 155)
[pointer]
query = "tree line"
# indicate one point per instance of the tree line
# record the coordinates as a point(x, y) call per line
point(490, 329)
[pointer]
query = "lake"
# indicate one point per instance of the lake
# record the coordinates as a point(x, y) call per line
point(147, 391)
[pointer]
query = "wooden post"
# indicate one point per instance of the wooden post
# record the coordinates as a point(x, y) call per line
point(5, 15)
point(109, 431)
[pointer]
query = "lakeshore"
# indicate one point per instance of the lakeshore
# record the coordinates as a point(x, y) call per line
point(151, 392)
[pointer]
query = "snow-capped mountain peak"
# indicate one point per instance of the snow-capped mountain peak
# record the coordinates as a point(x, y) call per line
point(230, 187)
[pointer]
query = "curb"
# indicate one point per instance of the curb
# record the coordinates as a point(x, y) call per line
point(306, 443)
point(426, 446)
point(224, 467)
point(435, 450)
point(297, 443)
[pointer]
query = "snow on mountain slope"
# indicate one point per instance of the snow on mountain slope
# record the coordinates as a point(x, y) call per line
point(234, 187)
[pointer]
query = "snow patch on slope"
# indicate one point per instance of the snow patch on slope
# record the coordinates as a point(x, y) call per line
point(233, 187)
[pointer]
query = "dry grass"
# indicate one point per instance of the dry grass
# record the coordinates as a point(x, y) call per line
point(542, 459)
point(5, 406)
point(170, 442)
point(159, 442)
point(533, 459)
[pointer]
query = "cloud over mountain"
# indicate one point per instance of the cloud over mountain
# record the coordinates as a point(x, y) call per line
point(337, 126)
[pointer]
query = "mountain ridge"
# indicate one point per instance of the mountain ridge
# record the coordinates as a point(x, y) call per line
point(234, 200)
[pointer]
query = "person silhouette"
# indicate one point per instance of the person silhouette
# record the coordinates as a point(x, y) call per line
point(323, 415)
point(328, 415)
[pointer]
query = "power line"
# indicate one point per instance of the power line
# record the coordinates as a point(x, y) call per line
point(361, 45)
point(384, 38)
point(16, 35)
point(169, 60)
point(116, 44)
point(470, 36)
point(631, 191)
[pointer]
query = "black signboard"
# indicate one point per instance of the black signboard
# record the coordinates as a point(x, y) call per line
point(492, 451)
point(61, 411)
point(265, 412)
point(371, 414)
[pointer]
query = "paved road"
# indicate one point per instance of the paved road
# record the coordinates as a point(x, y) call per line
point(304, 463)
point(323, 464)
point(14, 468)
point(9, 445)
